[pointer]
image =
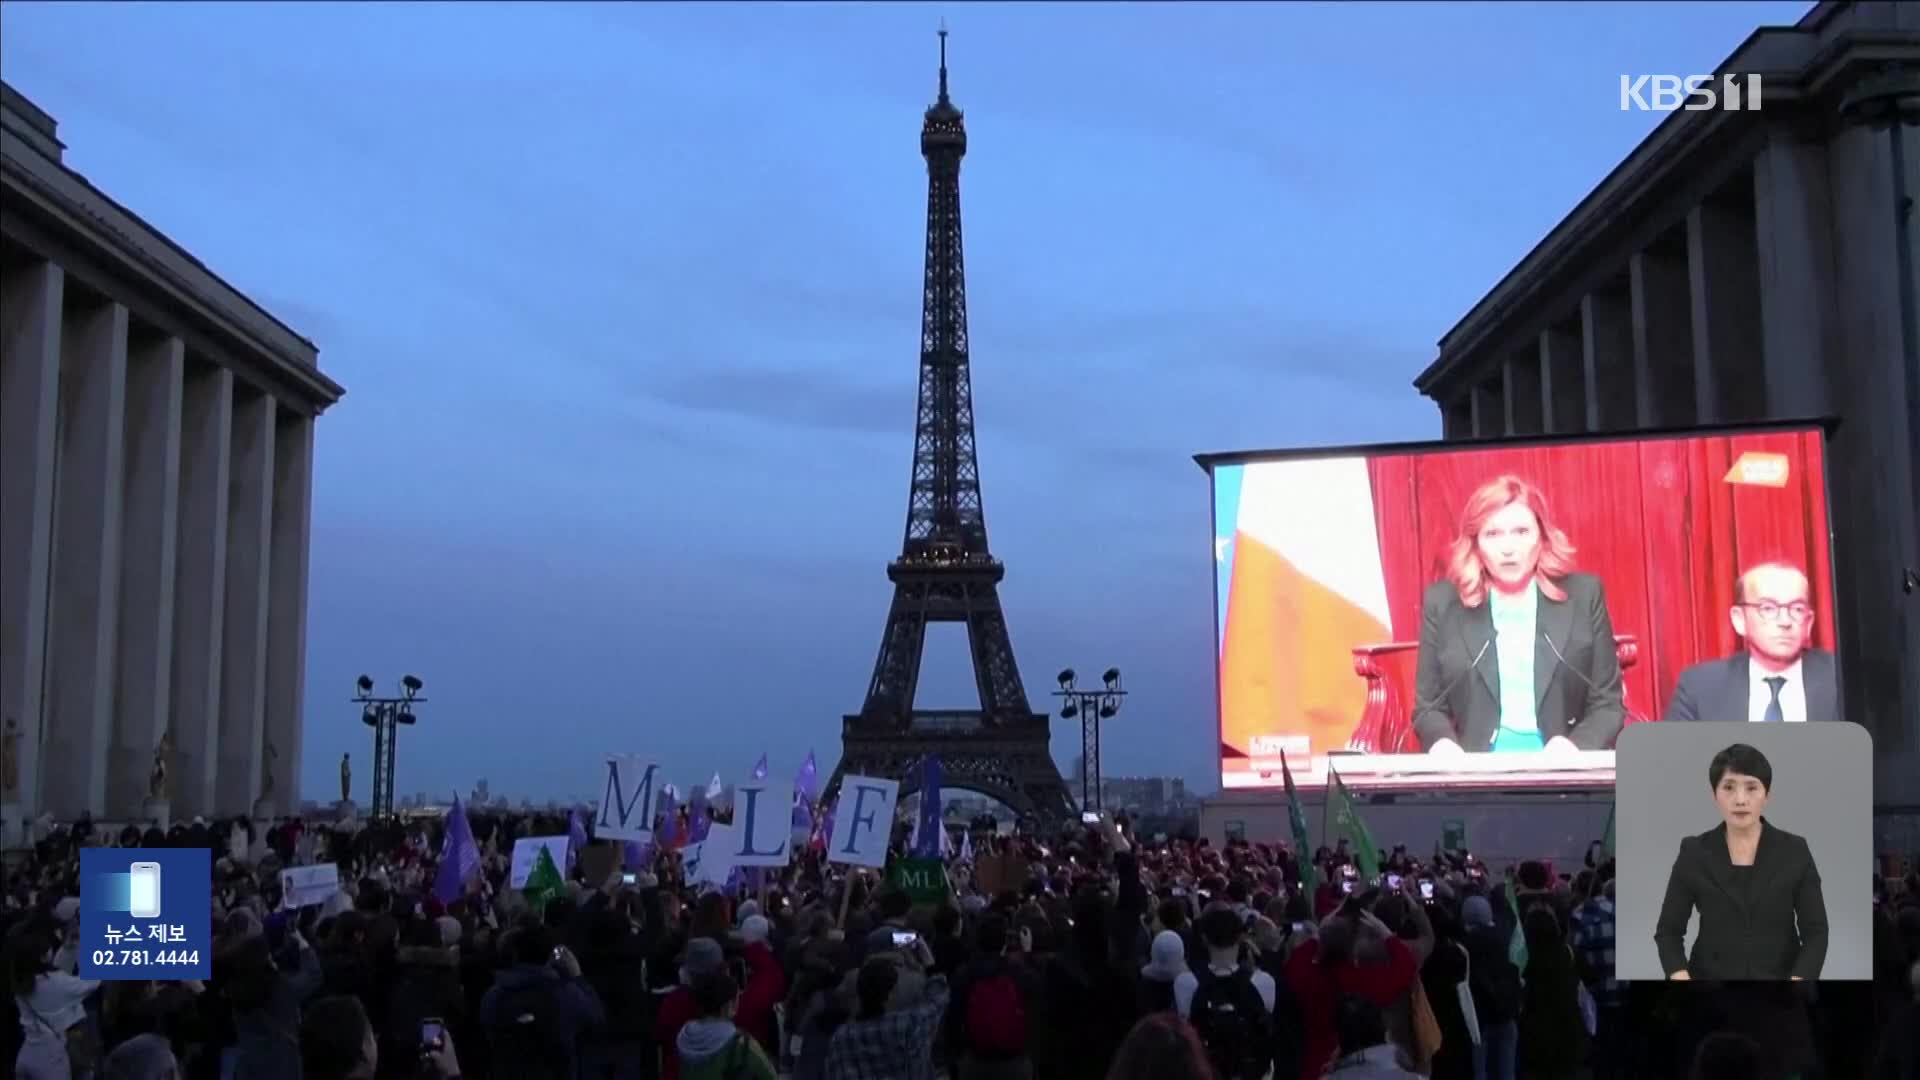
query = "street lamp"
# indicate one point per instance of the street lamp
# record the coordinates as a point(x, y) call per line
point(1091, 706)
point(385, 715)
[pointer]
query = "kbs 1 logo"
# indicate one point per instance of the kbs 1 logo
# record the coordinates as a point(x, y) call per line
point(1690, 93)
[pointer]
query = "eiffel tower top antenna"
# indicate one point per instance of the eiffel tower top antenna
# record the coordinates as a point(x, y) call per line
point(943, 60)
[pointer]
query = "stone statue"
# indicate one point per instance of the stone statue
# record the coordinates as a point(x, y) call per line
point(157, 788)
point(10, 760)
point(267, 757)
point(346, 777)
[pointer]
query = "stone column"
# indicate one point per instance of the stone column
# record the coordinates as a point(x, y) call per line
point(287, 611)
point(1606, 357)
point(1662, 339)
point(155, 369)
point(30, 303)
point(1521, 376)
point(200, 585)
point(243, 670)
point(86, 558)
point(1729, 379)
point(1563, 380)
point(1798, 319)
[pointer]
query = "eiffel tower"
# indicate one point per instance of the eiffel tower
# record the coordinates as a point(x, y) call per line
point(945, 572)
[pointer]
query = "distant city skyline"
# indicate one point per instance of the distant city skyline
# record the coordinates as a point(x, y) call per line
point(626, 301)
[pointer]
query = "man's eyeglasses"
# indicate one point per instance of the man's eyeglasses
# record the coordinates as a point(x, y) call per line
point(1799, 610)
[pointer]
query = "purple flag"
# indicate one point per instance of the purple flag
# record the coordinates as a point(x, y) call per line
point(926, 837)
point(760, 768)
point(576, 837)
point(669, 831)
point(697, 819)
point(807, 783)
point(459, 857)
point(825, 832)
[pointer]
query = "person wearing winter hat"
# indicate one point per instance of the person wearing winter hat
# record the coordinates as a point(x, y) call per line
point(703, 957)
point(1169, 962)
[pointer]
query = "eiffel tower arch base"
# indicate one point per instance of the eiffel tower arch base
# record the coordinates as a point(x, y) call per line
point(1012, 765)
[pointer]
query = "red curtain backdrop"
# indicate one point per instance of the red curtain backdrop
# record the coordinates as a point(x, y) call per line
point(1655, 519)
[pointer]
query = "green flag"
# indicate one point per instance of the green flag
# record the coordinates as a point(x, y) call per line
point(544, 883)
point(1516, 948)
point(1302, 847)
point(1606, 841)
point(1347, 823)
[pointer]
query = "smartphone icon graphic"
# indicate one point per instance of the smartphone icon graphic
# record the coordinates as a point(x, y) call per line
point(143, 897)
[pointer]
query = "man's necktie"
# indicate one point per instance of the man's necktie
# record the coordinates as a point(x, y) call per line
point(1774, 714)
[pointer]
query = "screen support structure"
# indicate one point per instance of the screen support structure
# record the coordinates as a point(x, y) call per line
point(1091, 707)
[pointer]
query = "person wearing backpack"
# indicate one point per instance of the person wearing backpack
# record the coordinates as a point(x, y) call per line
point(988, 1013)
point(710, 1047)
point(1229, 1002)
point(536, 1009)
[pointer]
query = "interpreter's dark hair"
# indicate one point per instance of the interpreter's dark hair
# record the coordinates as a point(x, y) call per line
point(874, 985)
point(1743, 759)
point(713, 992)
point(1162, 1046)
point(333, 1037)
point(1359, 1023)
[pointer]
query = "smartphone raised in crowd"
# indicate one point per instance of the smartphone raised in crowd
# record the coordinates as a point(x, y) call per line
point(1090, 818)
point(1426, 890)
point(904, 938)
point(433, 1033)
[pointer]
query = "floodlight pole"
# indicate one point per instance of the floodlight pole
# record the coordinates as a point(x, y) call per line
point(1091, 706)
point(385, 715)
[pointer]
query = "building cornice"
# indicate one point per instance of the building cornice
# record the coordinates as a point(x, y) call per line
point(1802, 66)
point(64, 202)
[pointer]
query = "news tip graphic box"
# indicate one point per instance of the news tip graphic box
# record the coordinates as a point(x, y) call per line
point(146, 913)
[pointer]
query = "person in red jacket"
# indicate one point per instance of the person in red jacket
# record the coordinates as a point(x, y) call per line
point(763, 986)
point(1321, 972)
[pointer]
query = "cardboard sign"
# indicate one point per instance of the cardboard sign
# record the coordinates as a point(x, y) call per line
point(309, 886)
point(626, 801)
point(526, 854)
point(710, 861)
point(762, 824)
point(863, 821)
point(1000, 872)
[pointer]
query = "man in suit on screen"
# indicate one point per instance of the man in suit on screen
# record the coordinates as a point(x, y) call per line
point(1778, 677)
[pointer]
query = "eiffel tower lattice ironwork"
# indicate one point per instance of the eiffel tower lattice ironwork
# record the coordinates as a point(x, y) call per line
point(945, 572)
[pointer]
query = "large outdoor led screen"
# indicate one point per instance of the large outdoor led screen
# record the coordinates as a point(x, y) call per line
point(1517, 598)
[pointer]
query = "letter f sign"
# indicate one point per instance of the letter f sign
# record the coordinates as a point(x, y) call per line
point(860, 793)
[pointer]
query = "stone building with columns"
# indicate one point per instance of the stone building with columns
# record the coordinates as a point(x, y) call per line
point(156, 473)
point(1745, 266)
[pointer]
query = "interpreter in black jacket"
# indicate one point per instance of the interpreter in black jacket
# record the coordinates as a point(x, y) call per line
point(1762, 914)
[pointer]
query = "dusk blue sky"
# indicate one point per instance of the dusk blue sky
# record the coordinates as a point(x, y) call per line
point(626, 300)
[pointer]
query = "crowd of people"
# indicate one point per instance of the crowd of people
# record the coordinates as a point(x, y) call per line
point(1086, 952)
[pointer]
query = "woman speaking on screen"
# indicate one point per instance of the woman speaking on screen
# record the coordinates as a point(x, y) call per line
point(1762, 915)
point(1516, 649)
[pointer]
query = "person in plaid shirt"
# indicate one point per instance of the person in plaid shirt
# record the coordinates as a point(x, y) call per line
point(1592, 942)
point(878, 1044)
